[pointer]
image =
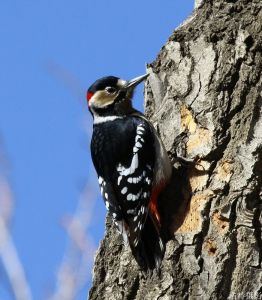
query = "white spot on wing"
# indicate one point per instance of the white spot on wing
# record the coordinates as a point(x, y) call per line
point(133, 197)
point(128, 171)
point(119, 179)
point(138, 137)
point(134, 179)
point(134, 163)
point(148, 181)
point(107, 205)
point(124, 190)
point(106, 196)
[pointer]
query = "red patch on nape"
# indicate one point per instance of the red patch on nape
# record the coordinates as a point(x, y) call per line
point(89, 95)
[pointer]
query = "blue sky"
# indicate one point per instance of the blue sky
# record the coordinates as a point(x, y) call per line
point(51, 51)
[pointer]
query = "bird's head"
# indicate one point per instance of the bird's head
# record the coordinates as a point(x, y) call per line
point(112, 95)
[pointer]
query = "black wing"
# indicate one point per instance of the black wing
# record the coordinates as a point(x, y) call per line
point(123, 155)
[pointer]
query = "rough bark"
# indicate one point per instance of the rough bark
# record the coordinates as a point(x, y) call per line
point(204, 96)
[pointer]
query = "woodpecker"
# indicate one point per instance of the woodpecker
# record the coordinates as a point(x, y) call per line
point(132, 166)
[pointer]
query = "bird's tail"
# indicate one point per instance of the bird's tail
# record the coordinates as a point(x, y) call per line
point(151, 249)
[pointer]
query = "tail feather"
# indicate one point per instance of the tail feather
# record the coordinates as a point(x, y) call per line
point(151, 249)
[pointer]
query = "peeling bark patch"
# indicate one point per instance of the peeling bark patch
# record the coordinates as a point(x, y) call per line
point(198, 177)
point(224, 170)
point(211, 247)
point(220, 222)
point(187, 120)
point(193, 219)
point(199, 142)
point(200, 139)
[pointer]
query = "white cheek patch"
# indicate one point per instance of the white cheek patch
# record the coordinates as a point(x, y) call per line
point(101, 99)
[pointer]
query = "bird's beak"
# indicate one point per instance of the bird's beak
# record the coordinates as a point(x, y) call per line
point(131, 84)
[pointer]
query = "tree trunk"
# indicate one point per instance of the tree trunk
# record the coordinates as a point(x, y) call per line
point(204, 96)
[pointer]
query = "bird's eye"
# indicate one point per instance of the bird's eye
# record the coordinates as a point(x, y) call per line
point(110, 90)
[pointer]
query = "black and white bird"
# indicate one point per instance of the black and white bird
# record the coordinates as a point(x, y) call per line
point(132, 166)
